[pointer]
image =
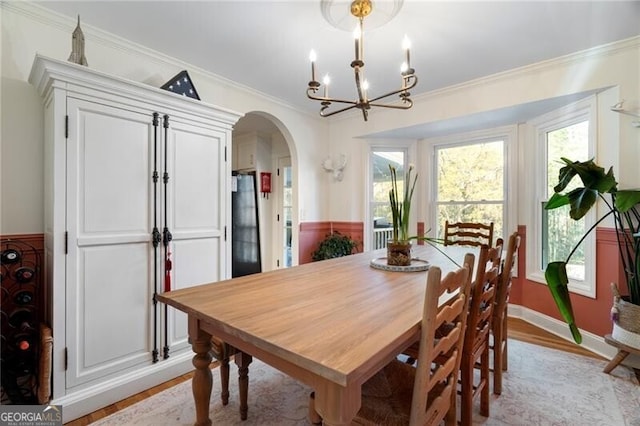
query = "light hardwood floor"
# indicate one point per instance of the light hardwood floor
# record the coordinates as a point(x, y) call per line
point(518, 329)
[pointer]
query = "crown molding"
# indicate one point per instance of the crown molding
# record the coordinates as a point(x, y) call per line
point(538, 67)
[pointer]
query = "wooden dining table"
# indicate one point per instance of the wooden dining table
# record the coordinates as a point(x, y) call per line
point(330, 324)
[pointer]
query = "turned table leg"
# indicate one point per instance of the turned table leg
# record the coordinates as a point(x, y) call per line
point(202, 378)
point(242, 361)
point(224, 380)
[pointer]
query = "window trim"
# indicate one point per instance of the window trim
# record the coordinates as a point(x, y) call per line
point(576, 112)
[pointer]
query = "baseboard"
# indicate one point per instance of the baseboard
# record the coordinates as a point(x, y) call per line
point(87, 400)
point(590, 341)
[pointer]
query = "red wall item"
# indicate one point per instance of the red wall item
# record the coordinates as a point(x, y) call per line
point(265, 183)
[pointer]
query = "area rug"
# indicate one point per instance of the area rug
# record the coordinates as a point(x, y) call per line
point(542, 387)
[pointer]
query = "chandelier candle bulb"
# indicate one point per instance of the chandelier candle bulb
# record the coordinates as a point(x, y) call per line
point(312, 58)
point(403, 71)
point(326, 80)
point(356, 36)
point(406, 45)
point(361, 40)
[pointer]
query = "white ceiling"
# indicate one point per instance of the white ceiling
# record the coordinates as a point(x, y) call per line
point(265, 44)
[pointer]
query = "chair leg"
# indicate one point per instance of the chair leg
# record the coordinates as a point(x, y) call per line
point(484, 380)
point(466, 397)
point(451, 419)
point(224, 380)
point(313, 416)
point(505, 338)
point(497, 362)
point(242, 361)
point(505, 356)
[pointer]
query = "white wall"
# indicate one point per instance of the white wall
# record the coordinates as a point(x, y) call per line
point(28, 29)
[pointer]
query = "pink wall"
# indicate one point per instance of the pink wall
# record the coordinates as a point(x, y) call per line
point(311, 233)
point(591, 314)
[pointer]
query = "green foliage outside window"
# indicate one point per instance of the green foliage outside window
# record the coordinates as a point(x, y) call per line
point(470, 184)
point(559, 231)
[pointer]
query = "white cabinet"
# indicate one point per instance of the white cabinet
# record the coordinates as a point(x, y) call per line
point(251, 151)
point(246, 155)
point(136, 179)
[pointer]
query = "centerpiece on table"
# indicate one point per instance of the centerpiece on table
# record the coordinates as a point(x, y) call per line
point(399, 247)
point(623, 206)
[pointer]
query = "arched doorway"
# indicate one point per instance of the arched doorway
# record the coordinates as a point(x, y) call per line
point(261, 144)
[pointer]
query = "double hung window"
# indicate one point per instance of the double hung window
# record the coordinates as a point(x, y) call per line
point(470, 183)
point(564, 133)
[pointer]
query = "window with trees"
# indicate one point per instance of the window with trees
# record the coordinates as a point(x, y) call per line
point(560, 233)
point(567, 133)
point(470, 183)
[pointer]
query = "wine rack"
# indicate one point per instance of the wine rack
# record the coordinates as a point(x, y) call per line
point(20, 317)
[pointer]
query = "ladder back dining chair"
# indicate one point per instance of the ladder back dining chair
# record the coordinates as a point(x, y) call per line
point(499, 323)
point(468, 234)
point(475, 352)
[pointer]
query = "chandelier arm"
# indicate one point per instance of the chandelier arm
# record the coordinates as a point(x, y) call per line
point(318, 98)
point(403, 106)
point(404, 89)
point(323, 114)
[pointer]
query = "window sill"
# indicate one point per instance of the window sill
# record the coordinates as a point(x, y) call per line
point(583, 288)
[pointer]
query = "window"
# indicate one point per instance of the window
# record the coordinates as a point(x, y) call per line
point(380, 178)
point(560, 233)
point(563, 133)
point(285, 212)
point(470, 183)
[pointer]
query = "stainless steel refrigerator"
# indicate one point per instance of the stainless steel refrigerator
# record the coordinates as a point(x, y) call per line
point(245, 233)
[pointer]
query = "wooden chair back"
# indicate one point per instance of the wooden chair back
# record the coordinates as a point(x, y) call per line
point(468, 234)
point(483, 294)
point(400, 394)
point(499, 324)
point(475, 352)
point(441, 341)
point(506, 276)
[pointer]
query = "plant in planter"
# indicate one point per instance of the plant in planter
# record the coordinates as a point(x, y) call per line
point(334, 245)
point(622, 205)
point(399, 247)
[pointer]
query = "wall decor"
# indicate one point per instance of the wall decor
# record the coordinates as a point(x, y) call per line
point(77, 46)
point(182, 85)
point(337, 168)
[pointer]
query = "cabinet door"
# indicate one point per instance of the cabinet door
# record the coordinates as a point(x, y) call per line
point(110, 258)
point(246, 155)
point(196, 214)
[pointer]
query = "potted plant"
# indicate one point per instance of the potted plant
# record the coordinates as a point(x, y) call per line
point(622, 205)
point(334, 245)
point(399, 247)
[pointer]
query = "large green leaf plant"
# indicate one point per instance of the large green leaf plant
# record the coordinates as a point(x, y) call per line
point(621, 204)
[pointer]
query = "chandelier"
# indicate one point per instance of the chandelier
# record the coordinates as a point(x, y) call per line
point(360, 9)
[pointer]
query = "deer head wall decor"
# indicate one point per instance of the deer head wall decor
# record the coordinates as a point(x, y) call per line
point(336, 168)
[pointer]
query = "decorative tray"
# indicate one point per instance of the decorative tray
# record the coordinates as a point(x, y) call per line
point(417, 265)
